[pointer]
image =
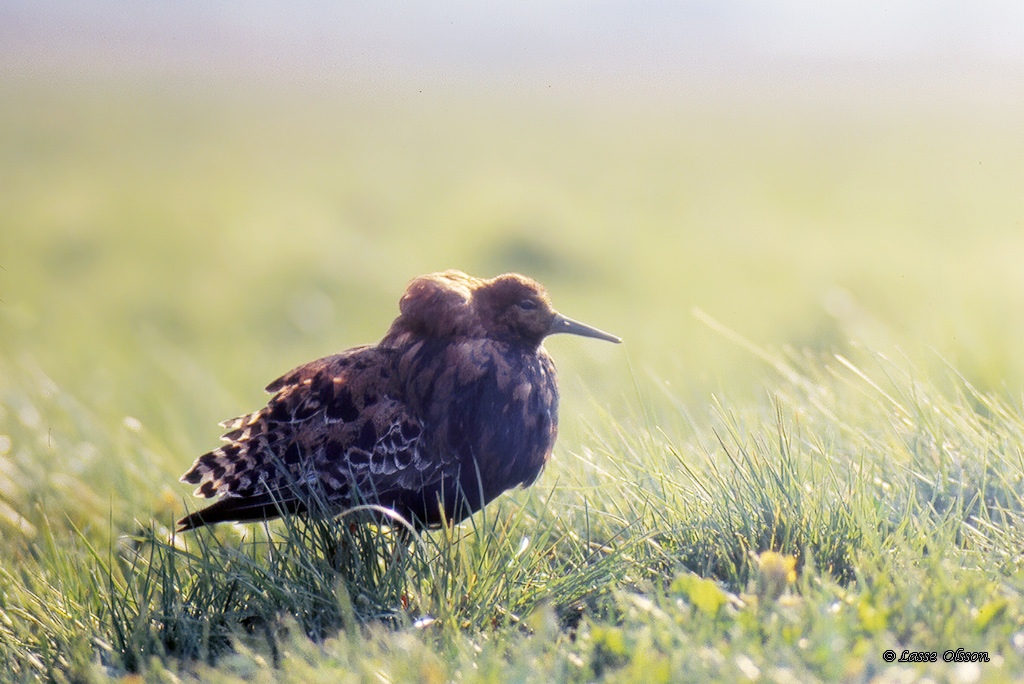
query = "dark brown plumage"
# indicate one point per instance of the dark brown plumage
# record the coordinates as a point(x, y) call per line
point(456, 404)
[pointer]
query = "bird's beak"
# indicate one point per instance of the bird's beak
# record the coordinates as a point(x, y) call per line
point(564, 324)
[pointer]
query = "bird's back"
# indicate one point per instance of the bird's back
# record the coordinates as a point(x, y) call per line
point(336, 428)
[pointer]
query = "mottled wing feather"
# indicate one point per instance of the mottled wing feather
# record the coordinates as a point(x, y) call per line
point(335, 427)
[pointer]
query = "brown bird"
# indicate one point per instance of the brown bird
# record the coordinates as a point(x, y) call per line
point(456, 404)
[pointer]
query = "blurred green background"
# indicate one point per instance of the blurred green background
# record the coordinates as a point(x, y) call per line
point(175, 233)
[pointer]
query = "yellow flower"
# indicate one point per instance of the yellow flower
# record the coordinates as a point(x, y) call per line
point(774, 572)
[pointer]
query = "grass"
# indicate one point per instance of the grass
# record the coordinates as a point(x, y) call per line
point(899, 503)
point(824, 465)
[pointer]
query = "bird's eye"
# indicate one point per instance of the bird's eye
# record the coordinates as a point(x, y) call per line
point(527, 305)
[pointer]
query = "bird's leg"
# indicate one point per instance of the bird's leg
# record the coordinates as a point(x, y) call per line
point(338, 547)
point(331, 551)
point(400, 540)
point(337, 551)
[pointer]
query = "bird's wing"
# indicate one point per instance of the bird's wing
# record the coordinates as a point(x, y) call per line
point(334, 427)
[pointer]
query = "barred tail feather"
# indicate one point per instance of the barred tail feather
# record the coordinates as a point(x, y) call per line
point(240, 421)
point(218, 471)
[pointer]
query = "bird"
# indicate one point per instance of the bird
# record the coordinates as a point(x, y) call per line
point(456, 404)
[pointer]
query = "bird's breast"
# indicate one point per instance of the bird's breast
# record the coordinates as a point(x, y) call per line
point(491, 408)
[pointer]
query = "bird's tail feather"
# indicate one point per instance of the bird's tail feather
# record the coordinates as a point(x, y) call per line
point(242, 509)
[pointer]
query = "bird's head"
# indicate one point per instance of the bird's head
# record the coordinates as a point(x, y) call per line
point(511, 308)
point(514, 308)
